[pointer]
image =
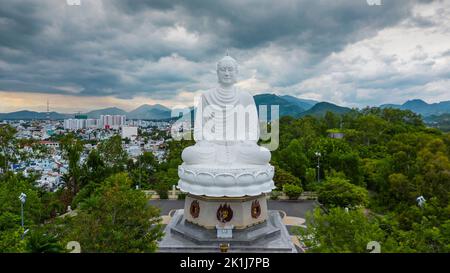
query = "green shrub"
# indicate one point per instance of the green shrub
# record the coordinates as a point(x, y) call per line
point(274, 195)
point(181, 196)
point(292, 191)
point(283, 177)
point(163, 190)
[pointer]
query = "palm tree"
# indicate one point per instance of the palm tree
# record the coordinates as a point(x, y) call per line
point(41, 242)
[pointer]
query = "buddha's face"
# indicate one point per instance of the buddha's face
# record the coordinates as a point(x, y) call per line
point(226, 72)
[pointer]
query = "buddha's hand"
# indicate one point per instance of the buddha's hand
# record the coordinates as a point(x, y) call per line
point(248, 143)
point(201, 143)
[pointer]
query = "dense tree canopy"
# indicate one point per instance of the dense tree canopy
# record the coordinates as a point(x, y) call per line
point(116, 218)
point(339, 192)
point(386, 159)
point(340, 231)
point(377, 167)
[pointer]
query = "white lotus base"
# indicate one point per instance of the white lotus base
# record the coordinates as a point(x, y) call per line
point(226, 181)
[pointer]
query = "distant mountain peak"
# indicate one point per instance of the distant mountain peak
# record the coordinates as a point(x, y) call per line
point(152, 107)
point(421, 107)
point(106, 111)
point(303, 103)
point(321, 108)
point(286, 107)
point(146, 111)
point(416, 102)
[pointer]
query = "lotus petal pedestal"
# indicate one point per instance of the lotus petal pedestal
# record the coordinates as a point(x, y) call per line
point(228, 181)
point(225, 195)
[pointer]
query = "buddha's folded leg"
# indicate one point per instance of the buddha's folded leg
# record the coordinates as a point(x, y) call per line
point(253, 155)
point(225, 154)
point(198, 154)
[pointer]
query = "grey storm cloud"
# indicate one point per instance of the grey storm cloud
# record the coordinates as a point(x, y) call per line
point(318, 26)
point(125, 48)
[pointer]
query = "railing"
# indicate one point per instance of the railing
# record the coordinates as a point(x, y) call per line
point(174, 194)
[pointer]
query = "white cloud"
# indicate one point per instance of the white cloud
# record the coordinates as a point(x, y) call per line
point(399, 63)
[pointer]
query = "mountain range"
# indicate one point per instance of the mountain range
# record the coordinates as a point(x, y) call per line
point(288, 105)
point(421, 107)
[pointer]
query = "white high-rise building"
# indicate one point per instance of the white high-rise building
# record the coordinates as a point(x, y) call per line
point(105, 121)
point(74, 124)
point(112, 121)
point(92, 123)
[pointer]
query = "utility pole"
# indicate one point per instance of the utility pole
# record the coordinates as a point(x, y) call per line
point(48, 112)
point(140, 171)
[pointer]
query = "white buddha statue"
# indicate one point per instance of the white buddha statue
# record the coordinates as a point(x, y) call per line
point(226, 159)
point(226, 128)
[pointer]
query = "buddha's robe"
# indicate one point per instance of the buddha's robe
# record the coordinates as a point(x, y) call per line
point(226, 130)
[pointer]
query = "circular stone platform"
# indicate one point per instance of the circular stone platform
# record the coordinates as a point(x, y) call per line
point(270, 236)
point(226, 181)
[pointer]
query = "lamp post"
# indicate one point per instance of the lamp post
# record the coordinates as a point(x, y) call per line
point(318, 154)
point(23, 199)
point(140, 171)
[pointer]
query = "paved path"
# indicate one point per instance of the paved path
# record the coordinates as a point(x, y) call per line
point(291, 208)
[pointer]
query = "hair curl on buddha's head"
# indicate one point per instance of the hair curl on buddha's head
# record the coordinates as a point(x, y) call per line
point(226, 59)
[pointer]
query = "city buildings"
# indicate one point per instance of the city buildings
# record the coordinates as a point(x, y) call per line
point(104, 122)
point(111, 121)
point(50, 164)
point(129, 132)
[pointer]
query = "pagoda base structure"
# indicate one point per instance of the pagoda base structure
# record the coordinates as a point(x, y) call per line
point(239, 212)
point(226, 209)
point(270, 236)
point(246, 223)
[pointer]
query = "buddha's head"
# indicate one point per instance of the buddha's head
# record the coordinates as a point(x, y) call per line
point(227, 70)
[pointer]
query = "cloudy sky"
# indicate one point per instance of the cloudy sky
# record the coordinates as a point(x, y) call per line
point(125, 53)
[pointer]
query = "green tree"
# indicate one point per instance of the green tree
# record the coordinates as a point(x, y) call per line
point(142, 169)
point(339, 192)
point(72, 148)
point(332, 120)
point(37, 241)
point(117, 218)
point(10, 206)
point(11, 241)
point(293, 159)
point(162, 181)
point(339, 231)
point(7, 146)
point(293, 191)
point(401, 189)
point(338, 155)
point(311, 183)
point(283, 177)
point(433, 166)
point(112, 153)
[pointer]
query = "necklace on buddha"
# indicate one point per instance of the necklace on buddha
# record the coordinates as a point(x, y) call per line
point(222, 98)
